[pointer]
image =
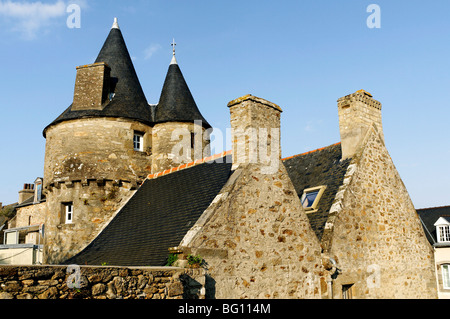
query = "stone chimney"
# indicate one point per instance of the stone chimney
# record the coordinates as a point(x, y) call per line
point(92, 87)
point(357, 113)
point(255, 132)
point(26, 192)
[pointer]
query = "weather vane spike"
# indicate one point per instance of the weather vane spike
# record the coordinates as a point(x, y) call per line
point(173, 46)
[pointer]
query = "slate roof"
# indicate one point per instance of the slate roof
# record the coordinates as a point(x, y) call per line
point(317, 168)
point(176, 102)
point(429, 216)
point(156, 218)
point(129, 100)
point(164, 208)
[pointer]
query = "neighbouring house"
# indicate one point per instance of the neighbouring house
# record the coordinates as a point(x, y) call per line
point(22, 235)
point(436, 223)
point(129, 183)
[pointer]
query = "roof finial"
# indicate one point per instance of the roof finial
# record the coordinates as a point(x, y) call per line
point(173, 44)
point(115, 24)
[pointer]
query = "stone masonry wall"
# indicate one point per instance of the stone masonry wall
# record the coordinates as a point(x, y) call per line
point(95, 149)
point(374, 232)
point(257, 241)
point(93, 208)
point(31, 215)
point(91, 86)
point(63, 282)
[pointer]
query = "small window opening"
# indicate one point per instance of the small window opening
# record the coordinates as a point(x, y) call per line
point(138, 141)
point(68, 210)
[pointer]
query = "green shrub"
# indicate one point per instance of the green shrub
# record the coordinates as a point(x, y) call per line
point(194, 260)
point(171, 259)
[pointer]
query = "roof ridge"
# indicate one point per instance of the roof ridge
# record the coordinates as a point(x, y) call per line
point(445, 206)
point(313, 151)
point(187, 165)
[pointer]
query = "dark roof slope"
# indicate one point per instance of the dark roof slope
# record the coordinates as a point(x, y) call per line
point(157, 217)
point(176, 103)
point(129, 100)
point(317, 168)
point(429, 216)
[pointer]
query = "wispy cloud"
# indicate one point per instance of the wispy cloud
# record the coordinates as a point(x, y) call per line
point(148, 52)
point(28, 18)
point(311, 126)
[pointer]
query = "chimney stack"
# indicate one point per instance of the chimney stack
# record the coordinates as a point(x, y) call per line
point(255, 132)
point(92, 87)
point(357, 113)
point(26, 192)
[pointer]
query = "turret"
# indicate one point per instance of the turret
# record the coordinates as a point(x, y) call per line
point(97, 150)
point(181, 134)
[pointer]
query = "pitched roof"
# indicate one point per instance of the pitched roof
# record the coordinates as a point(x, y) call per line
point(176, 103)
point(169, 203)
point(321, 167)
point(129, 100)
point(429, 216)
point(157, 217)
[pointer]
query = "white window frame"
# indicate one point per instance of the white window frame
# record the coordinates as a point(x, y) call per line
point(445, 276)
point(313, 207)
point(68, 211)
point(443, 233)
point(138, 141)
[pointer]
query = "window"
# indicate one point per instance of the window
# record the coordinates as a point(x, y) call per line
point(446, 276)
point(68, 210)
point(347, 291)
point(37, 190)
point(138, 141)
point(311, 197)
point(443, 233)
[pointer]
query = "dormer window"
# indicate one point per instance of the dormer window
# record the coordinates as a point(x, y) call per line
point(443, 233)
point(443, 229)
point(138, 141)
point(37, 190)
point(311, 197)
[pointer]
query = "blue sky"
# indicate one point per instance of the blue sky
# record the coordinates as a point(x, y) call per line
point(301, 55)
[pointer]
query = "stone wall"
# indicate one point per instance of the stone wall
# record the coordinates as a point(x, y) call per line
point(257, 241)
point(31, 215)
point(93, 208)
point(95, 149)
point(374, 233)
point(61, 282)
point(92, 86)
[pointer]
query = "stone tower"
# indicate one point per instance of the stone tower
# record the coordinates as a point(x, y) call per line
point(97, 151)
point(181, 134)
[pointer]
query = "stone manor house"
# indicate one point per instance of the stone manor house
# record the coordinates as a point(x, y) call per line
point(336, 222)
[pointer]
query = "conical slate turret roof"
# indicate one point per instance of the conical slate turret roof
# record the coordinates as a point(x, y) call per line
point(176, 103)
point(129, 100)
